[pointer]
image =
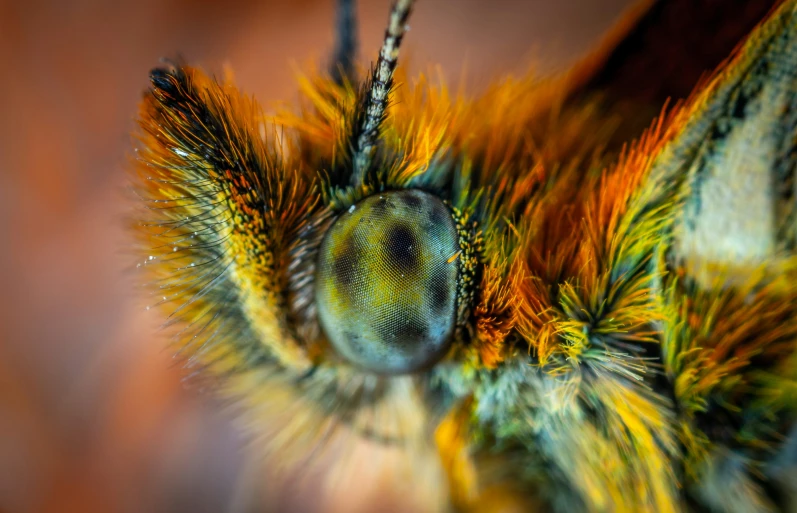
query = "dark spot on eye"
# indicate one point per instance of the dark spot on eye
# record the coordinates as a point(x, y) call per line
point(412, 332)
point(402, 332)
point(439, 292)
point(344, 268)
point(411, 200)
point(402, 249)
point(438, 216)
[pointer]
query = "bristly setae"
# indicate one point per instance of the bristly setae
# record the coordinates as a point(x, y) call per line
point(536, 314)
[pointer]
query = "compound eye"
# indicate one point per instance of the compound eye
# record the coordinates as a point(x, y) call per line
point(386, 281)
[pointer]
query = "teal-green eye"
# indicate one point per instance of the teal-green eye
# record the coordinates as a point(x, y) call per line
point(387, 280)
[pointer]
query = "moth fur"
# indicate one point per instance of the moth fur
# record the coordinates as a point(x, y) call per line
point(613, 350)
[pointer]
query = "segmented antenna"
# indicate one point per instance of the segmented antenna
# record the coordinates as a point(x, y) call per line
point(346, 41)
point(381, 81)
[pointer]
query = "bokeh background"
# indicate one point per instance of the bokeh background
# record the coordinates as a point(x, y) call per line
point(94, 414)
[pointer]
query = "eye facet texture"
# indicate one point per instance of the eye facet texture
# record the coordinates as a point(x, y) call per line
point(387, 280)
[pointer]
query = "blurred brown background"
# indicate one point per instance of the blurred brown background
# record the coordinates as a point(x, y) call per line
point(94, 416)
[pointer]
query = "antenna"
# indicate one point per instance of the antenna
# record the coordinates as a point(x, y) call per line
point(346, 41)
point(378, 90)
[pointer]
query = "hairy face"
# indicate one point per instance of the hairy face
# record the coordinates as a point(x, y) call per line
point(503, 285)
